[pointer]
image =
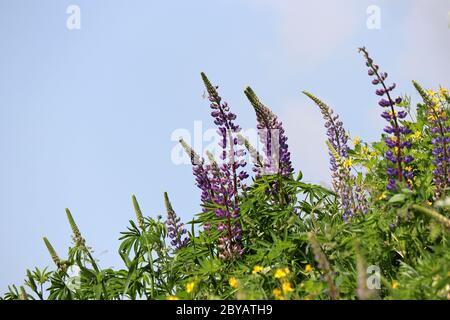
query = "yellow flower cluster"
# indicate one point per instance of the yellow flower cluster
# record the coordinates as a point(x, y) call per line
point(442, 94)
point(286, 286)
point(281, 273)
point(437, 101)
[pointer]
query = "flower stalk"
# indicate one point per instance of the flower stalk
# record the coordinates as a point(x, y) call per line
point(176, 229)
point(437, 118)
point(397, 141)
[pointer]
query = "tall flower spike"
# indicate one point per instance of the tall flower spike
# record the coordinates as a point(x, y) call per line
point(137, 210)
point(273, 138)
point(352, 198)
point(176, 229)
point(336, 136)
point(227, 183)
point(77, 238)
point(396, 142)
point(58, 262)
point(440, 138)
point(343, 183)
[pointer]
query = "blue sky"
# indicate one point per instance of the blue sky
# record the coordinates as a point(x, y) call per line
point(86, 116)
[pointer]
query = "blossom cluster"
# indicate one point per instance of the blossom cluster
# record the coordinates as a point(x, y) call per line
point(440, 130)
point(437, 117)
point(399, 169)
point(353, 199)
point(272, 136)
point(177, 232)
point(228, 177)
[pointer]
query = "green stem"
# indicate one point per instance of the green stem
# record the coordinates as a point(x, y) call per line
point(150, 261)
point(432, 214)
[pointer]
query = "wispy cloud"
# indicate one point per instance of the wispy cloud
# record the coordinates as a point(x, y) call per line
point(312, 30)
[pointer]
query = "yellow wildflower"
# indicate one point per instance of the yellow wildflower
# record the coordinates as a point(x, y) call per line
point(277, 294)
point(430, 92)
point(435, 100)
point(417, 135)
point(347, 163)
point(286, 287)
point(430, 204)
point(173, 298)
point(365, 149)
point(233, 282)
point(431, 117)
point(408, 168)
point(382, 196)
point(190, 286)
point(394, 284)
point(279, 273)
point(356, 141)
point(308, 268)
point(443, 92)
point(256, 269)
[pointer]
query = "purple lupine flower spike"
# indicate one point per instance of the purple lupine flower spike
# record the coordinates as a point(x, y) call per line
point(440, 138)
point(227, 177)
point(353, 200)
point(176, 230)
point(272, 135)
point(396, 140)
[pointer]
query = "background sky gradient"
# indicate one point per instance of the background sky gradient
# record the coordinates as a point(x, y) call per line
point(86, 116)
